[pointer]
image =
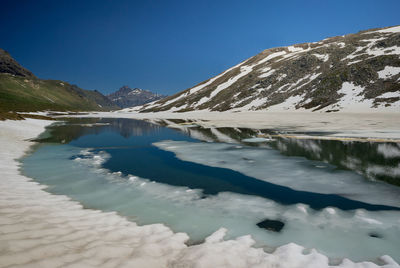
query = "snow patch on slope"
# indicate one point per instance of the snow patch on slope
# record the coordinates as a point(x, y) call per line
point(395, 29)
point(244, 71)
point(271, 56)
point(388, 72)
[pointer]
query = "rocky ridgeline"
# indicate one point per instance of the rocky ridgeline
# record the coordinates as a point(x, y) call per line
point(10, 66)
point(129, 97)
point(355, 72)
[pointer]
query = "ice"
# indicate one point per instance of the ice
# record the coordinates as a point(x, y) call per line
point(187, 210)
point(291, 172)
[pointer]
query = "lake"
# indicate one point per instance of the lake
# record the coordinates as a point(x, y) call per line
point(341, 198)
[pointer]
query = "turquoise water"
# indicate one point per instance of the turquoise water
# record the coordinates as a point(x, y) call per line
point(114, 165)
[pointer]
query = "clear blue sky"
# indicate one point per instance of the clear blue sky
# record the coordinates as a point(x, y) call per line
point(167, 46)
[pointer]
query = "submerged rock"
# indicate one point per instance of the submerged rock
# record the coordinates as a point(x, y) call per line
point(375, 235)
point(271, 225)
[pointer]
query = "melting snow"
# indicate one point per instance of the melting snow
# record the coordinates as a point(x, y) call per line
point(268, 72)
point(244, 71)
point(395, 29)
point(390, 95)
point(388, 72)
point(271, 56)
point(288, 105)
point(294, 49)
point(324, 57)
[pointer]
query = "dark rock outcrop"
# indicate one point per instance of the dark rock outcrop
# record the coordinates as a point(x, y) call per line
point(11, 66)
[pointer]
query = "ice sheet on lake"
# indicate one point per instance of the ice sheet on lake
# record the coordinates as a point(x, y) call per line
point(294, 172)
point(186, 210)
point(39, 229)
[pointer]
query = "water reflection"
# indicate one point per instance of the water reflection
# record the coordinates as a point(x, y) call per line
point(375, 161)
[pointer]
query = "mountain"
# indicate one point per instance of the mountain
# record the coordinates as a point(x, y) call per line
point(22, 91)
point(355, 72)
point(11, 66)
point(129, 97)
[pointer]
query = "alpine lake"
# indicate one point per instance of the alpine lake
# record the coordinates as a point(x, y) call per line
point(339, 197)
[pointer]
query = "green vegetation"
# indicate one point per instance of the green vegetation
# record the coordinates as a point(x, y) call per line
point(30, 94)
point(21, 91)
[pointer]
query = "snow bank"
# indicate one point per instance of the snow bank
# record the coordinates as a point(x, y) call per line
point(43, 230)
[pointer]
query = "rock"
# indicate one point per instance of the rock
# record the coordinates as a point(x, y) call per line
point(271, 225)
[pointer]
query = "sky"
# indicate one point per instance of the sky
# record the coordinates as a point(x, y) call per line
point(167, 46)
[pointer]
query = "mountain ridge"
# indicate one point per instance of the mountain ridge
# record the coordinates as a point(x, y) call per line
point(130, 97)
point(354, 72)
point(22, 91)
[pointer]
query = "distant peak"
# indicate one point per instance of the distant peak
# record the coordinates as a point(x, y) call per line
point(129, 97)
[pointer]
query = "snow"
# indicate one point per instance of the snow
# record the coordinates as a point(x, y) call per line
point(388, 72)
point(257, 102)
point(209, 82)
point(271, 56)
point(374, 52)
point(390, 95)
point(69, 235)
point(323, 57)
point(395, 29)
point(340, 44)
point(244, 71)
point(353, 62)
point(281, 76)
point(43, 230)
point(268, 72)
point(294, 49)
point(394, 50)
point(74, 236)
point(288, 104)
point(347, 124)
point(352, 99)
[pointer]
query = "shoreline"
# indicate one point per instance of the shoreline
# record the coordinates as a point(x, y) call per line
point(379, 127)
point(73, 236)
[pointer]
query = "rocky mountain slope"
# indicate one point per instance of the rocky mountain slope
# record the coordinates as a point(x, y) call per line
point(355, 72)
point(21, 91)
point(129, 97)
point(11, 66)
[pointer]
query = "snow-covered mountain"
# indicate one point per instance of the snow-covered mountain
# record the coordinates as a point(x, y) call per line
point(129, 97)
point(355, 72)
